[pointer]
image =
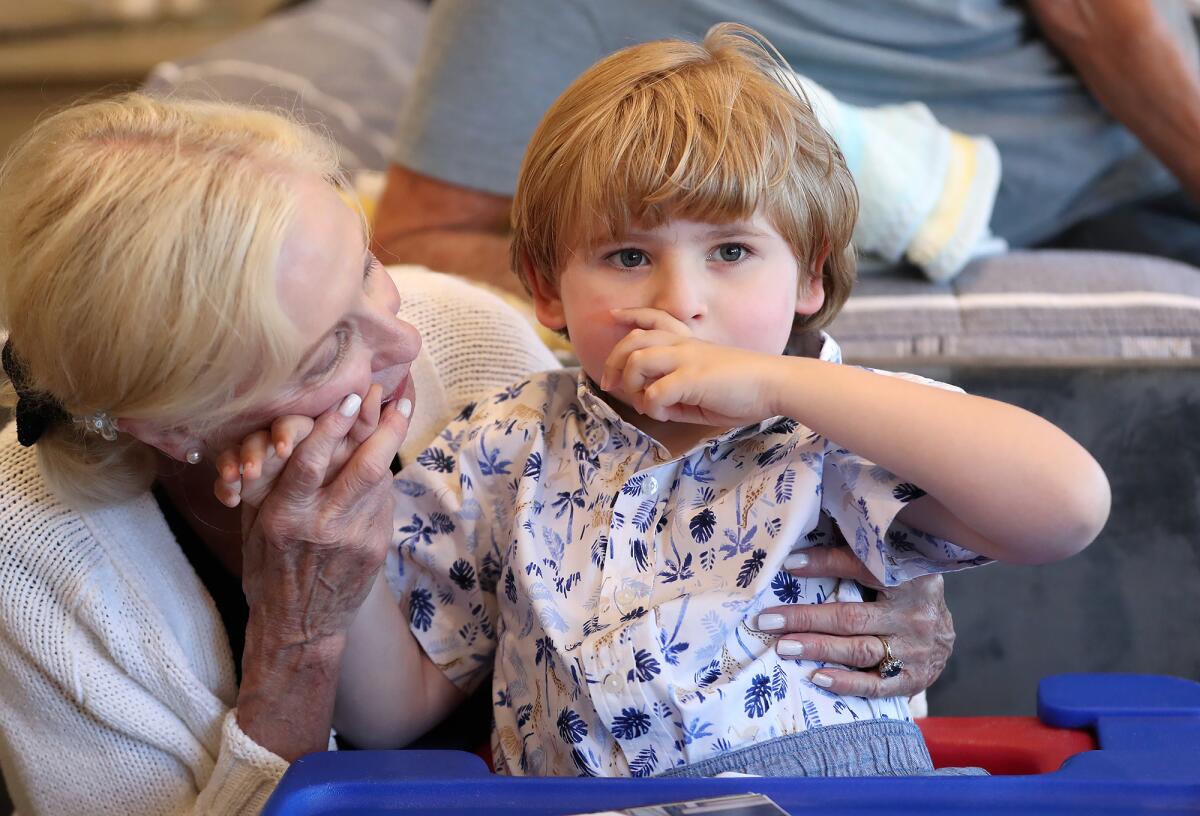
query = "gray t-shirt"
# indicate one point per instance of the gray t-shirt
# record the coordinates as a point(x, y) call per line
point(490, 68)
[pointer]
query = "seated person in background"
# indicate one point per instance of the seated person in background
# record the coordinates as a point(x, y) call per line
point(597, 536)
point(1083, 101)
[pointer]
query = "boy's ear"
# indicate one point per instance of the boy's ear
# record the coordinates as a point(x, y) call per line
point(546, 303)
point(810, 294)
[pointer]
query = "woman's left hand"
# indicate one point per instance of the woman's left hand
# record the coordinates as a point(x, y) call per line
point(913, 617)
point(310, 555)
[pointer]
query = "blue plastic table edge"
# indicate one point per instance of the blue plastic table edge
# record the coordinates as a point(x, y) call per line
point(1147, 728)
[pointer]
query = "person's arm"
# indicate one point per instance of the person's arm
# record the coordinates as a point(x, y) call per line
point(309, 559)
point(444, 227)
point(1128, 57)
point(998, 480)
point(391, 692)
point(913, 616)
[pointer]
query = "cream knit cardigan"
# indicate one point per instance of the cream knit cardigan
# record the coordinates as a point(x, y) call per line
point(116, 679)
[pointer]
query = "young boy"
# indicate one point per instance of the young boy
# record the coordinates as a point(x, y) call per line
point(597, 538)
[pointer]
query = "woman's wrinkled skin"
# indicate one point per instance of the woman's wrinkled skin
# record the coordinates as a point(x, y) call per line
point(913, 617)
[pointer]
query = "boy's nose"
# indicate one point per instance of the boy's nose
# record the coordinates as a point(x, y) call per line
point(679, 294)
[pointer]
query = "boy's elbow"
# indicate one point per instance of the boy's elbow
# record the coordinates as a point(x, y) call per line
point(1083, 512)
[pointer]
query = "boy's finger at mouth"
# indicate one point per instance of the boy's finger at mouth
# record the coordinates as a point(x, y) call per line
point(649, 318)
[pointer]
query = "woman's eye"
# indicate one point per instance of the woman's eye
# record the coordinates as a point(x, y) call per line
point(731, 252)
point(629, 258)
point(343, 345)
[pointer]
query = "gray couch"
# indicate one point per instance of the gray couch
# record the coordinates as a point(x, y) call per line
point(1104, 345)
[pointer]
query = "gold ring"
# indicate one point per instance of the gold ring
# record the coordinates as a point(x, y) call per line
point(890, 666)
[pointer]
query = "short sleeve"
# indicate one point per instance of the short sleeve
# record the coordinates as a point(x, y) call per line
point(453, 508)
point(864, 499)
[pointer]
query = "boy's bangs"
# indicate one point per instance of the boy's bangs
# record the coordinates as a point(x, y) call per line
point(668, 154)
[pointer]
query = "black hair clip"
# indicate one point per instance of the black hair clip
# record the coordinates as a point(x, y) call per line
point(36, 410)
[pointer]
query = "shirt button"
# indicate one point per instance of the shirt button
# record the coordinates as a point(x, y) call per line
point(614, 683)
point(626, 597)
point(651, 486)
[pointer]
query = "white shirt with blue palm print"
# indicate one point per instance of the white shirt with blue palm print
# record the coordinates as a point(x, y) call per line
point(610, 585)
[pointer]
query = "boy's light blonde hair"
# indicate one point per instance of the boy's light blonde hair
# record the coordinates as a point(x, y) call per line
point(139, 244)
point(671, 129)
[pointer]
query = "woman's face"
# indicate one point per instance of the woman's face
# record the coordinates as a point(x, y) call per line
point(344, 305)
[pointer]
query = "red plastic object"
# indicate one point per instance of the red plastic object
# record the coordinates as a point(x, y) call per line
point(484, 751)
point(1002, 745)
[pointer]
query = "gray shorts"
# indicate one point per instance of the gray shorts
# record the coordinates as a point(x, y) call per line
point(864, 748)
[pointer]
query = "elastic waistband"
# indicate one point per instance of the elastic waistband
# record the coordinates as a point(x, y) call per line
point(864, 748)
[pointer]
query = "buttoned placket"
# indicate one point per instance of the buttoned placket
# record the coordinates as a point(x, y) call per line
point(626, 589)
point(612, 658)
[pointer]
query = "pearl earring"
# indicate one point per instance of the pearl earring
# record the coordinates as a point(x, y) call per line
point(193, 457)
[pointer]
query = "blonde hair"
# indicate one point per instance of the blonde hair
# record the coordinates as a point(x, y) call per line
point(671, 129)
point(139, 242)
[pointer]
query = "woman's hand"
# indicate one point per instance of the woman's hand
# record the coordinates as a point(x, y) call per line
point(310, 556)
point(247, 471)
point(913, 617)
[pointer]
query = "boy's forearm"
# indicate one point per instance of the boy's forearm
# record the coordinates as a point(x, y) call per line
point(390, 692)
point(1029, 492)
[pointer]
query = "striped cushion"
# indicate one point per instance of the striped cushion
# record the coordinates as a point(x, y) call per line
point(343, 66)
point(1042, 306)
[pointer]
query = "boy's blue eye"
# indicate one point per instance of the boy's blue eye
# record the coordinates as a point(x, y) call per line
point(731, 252)
point(630, 257)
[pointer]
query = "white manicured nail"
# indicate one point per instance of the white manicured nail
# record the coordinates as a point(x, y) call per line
point(769, 623)
point(822, 680)
point(350, 405)
point(404, 406)
point(789, 648)
point(795, 561)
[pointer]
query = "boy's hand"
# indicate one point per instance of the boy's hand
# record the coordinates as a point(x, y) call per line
point(247, 472)
point(670, 376)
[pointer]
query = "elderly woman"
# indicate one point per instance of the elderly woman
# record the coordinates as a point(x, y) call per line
point(173, 276)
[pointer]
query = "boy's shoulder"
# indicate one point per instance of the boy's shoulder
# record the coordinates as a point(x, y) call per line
point(529, 400)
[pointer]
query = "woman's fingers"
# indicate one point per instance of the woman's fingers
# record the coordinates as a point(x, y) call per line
point(830, 562)
point(913, 617)
point(832, 618)
point(368, 415)
point(857, 652)
point(370, 464)
point(866, 683)
point(306, 471)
